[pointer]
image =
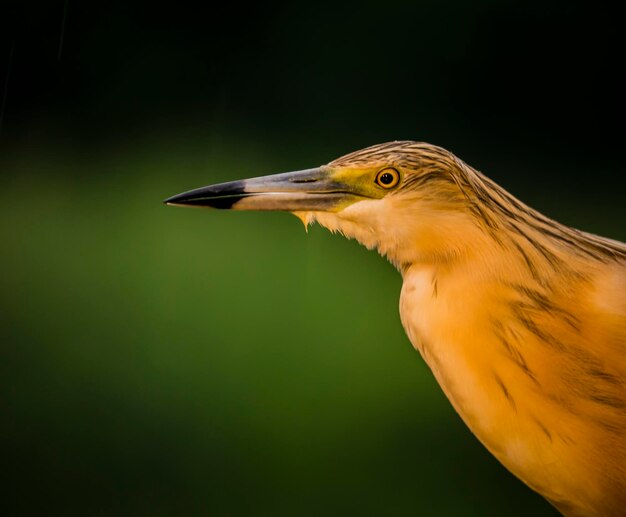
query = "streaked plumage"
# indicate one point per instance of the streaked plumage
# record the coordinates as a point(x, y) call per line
point(521, 319)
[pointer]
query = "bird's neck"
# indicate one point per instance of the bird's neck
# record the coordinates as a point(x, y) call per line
point(505, 322)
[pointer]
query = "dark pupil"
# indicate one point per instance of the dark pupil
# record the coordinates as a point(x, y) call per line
point(386, 178)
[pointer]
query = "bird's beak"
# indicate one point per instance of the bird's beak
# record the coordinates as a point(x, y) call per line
point(307, 190)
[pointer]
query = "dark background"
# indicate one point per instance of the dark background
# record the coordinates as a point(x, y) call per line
point(165, 361)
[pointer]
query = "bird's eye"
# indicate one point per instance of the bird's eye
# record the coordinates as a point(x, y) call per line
point(388, 178)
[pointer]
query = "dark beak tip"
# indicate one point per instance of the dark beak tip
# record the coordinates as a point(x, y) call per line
point(170, 201)
point(222, 195)
point(184, 199)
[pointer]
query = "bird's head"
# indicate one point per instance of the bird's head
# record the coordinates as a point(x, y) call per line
point(409, 200)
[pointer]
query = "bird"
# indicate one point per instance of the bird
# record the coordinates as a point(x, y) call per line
point(521, 319)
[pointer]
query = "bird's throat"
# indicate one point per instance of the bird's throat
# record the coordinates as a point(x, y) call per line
point(417, 236)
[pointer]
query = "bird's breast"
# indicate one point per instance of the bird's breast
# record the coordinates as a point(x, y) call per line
point(442, 322)
point(449, 321)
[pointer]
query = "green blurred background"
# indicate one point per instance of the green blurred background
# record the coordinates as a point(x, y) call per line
point(161, 361)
